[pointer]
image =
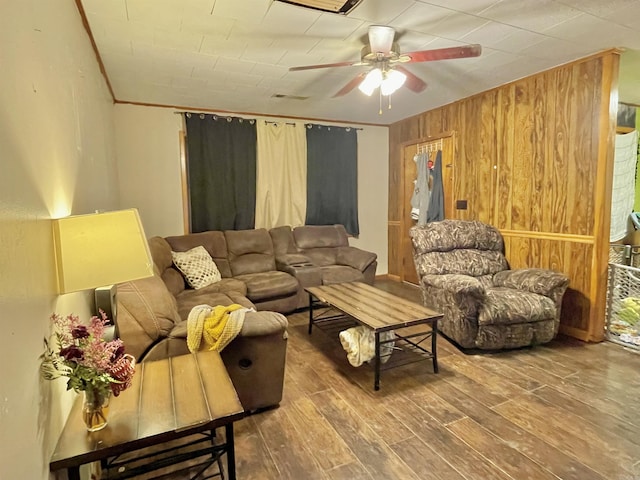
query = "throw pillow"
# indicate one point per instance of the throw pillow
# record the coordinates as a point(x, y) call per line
point(197, 266)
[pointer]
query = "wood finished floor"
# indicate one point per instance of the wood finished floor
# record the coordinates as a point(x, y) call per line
point(566, 410)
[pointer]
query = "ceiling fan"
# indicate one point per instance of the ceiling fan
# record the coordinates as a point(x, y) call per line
point(383, 55)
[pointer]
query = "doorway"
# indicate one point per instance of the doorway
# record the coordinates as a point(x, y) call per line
point(444, 142)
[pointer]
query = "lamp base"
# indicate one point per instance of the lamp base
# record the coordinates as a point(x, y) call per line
point(105, 298)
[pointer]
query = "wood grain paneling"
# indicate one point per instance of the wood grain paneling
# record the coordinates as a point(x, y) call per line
point(534, 158)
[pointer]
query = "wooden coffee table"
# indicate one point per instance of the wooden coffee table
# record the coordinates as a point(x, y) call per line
point(169, 399)
point(380, 311)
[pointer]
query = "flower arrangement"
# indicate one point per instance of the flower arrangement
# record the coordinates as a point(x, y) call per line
point(92, 364)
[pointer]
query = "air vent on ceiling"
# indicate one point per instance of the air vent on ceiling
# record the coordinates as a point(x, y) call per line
point(334, 6)
point(290, 97)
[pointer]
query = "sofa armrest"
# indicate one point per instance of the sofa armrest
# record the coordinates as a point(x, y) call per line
point(292, 260)
point(535, 280)
point(255, 324)
point(355, 257)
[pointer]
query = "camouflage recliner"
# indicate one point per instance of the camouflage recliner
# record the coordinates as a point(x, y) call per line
point(464, 274)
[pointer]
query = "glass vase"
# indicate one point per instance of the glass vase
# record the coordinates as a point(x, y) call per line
point(95, 408)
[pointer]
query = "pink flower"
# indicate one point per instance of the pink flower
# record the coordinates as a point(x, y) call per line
point(85, 357)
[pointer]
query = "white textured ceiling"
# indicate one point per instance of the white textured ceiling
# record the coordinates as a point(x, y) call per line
point(234, 55)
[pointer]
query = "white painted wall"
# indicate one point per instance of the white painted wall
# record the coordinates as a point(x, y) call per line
point(59, 138)
point(149, 171)
point(56, 157)
point(148, 151)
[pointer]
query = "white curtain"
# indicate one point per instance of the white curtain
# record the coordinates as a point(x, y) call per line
point(624, 177)
point(281, 177)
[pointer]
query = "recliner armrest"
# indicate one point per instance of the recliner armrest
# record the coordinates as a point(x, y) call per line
point(355, 257)
point(535, 280)
point(461, 286)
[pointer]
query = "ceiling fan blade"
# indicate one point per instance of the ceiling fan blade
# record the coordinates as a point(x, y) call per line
point(324, 65)
point(381, 38)
point(353, 83)
point(444, 53)
point(413, 83)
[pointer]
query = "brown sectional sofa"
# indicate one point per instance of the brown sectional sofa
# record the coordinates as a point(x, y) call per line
point(321, 255)
point(260, 269)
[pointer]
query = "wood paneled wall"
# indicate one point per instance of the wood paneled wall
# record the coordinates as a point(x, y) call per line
point(534, 158)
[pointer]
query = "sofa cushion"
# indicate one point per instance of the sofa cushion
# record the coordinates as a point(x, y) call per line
point(197, 267)
point(146, 311)
point(449, 235)
point(313, 236)
point(226, 285)
point(213, 241)
point(282, 238)
point(250, 251)
point(149, 297)
point(161, 254)
point(506, 306)
point(266, 285)
point(322, 257)
point(340, 274)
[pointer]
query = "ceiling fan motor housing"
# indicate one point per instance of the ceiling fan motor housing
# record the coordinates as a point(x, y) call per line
point(369, 56)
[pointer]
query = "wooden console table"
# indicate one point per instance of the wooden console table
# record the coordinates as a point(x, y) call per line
point(169, 399)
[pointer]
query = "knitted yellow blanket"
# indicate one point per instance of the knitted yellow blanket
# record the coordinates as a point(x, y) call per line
point(217, 326)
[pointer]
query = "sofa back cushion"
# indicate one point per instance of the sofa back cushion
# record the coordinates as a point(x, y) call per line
point(466, 247)
point(161, 254)
point(320, 236)
point(320, 242)
point(213, 241)
point(449, 235)
point(250, 251)
point(282, 238)
point(146, 312)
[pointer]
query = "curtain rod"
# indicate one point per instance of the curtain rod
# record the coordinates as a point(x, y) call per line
point(202, 115)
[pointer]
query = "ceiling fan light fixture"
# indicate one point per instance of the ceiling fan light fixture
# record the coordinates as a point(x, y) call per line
point(372, 81)
point(393, 80)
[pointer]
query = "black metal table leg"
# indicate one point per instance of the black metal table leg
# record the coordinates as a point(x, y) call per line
point(310, 313)
point(434, 337)
point(231, 452)
point(376, 381)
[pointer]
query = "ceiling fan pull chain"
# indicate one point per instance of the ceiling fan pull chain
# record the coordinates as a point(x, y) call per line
point(380, 101)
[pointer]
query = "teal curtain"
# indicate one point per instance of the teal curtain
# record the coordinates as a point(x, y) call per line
point(332, 177)
point(221, 169)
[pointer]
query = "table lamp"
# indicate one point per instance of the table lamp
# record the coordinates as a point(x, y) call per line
point(100, 249)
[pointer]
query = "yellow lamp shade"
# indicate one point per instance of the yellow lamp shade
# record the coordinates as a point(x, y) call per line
point(100, 249)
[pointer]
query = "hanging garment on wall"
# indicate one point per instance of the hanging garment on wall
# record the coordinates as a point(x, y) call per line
point(421, 194)
point(623, 189)
point(436, 204)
